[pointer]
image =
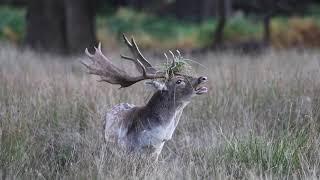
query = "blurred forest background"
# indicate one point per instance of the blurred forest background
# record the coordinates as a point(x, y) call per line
point(68, 27)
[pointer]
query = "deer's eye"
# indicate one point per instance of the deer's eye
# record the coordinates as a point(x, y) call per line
point(179, 81)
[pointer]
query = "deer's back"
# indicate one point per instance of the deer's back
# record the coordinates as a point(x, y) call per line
point(117, 121)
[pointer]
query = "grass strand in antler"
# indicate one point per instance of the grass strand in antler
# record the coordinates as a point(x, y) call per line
point(178, 65)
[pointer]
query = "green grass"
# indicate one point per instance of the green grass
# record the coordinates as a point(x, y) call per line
point(281, 155)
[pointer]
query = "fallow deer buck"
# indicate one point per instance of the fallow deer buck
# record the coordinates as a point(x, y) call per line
point(145, 129)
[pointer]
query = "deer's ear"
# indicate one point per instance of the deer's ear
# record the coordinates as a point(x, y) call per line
point(155, 85)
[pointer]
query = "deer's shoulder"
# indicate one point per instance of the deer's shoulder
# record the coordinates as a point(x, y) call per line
point(117, 121)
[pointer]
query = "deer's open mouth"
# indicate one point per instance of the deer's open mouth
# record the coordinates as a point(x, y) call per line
point(201, 89)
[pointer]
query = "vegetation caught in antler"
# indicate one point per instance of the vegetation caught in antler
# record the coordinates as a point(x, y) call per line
point(178, 65)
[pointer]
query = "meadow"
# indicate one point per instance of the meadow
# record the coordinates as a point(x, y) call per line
point(260, 120)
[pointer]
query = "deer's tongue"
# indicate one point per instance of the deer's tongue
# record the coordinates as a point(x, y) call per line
point(201, 90)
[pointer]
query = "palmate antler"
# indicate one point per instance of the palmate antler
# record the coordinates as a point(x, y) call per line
point(103, 67)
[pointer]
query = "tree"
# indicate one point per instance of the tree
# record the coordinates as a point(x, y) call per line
point(80, 24)
point(223, 11)
point(61, 26)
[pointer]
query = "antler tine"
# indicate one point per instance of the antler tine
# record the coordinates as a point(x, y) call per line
point(173, 59)
point(179, 54)
point(126, 40)
point(136, 61)
point(99, 46)
point(134, 49)
point(144, 71)
point(99, 49)
point(88, 53)
point(137, 55)
point(165, 55)
point(173, 64)
point(134, 45)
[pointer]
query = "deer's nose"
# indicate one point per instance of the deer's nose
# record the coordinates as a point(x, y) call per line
point(202, 79)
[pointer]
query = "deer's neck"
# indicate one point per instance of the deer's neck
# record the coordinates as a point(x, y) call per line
point(163, 109)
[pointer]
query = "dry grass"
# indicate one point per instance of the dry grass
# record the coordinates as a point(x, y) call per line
point(260, 120)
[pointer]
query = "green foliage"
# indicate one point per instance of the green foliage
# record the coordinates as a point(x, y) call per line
point(206, 30)
point(126, 20)
point(157, 31)
point(313, 10)
point(239, 27)
point(12, 23)
point(151, 30)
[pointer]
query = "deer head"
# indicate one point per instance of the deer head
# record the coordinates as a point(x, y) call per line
point(181, 87)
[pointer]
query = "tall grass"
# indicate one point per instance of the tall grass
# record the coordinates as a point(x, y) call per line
point(260, 120)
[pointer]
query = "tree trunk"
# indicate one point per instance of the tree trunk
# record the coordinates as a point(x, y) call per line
point(222, 19)
point(61, 26)
point(46, 25)
point(80, 24)
point(267, 29)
